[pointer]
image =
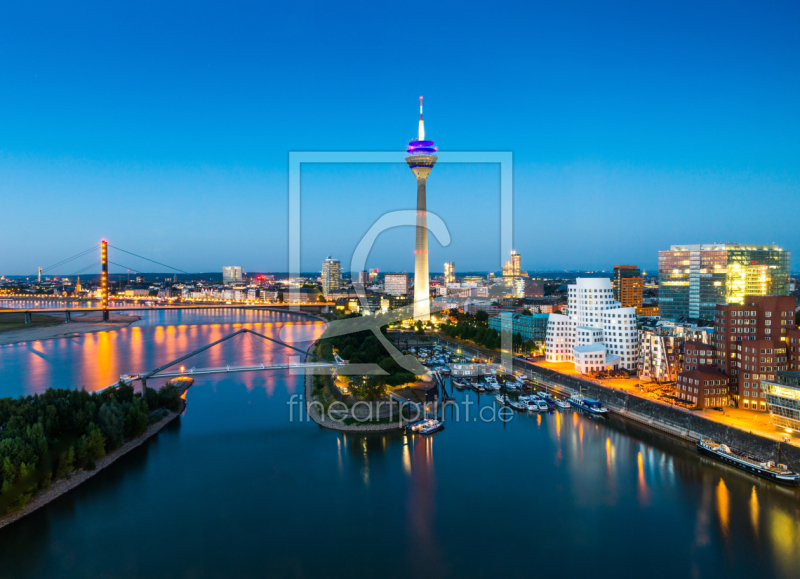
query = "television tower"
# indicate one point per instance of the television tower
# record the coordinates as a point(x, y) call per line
point(421, 160)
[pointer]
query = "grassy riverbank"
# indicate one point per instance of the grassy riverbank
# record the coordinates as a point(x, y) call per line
point(14, 330)
point(16, 321)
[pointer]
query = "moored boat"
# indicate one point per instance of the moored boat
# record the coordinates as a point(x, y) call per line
point(587, 404)
point(767, 469)
point(561, 403)
point(518, 406)
point(431, 426)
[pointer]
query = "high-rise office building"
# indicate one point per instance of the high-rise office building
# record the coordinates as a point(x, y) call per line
point(533, 288)
point(331, 275)
point(449, 272)
point(513, 267)
point(231, 274)
point(373, 275)
point(628, 284)
point(396, 284)
point(363, 278)
point(421, 159)
point(693, 279)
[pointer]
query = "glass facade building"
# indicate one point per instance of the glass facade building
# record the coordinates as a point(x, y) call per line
point(693, 279)
point(783, 400)
point(331, 276)
point(449, 272)
point(231, 274)
point(533, 327)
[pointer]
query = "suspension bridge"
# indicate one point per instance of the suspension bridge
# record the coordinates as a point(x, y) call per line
point(165, 370)
point(106, 308)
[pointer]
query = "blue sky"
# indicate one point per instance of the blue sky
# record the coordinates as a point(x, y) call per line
point(166, 127)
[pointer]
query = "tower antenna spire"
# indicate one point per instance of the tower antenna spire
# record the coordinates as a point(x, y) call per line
point(421, 159)
point(421, 136)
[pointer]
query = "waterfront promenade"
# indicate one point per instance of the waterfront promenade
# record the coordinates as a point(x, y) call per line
point(746, 421)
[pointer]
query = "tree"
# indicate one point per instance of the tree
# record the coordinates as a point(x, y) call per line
point(95, 443)
point(34, 427)
point(169, 398)
point(112, 423)
point(65, 462)
point(136, 418)
point(482, 316)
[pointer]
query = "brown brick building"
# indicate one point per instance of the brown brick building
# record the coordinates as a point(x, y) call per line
point(756, 330)
point(696, 354)
point(628, 284)
point(706, 387)
point(760, 360)
point(793, 349)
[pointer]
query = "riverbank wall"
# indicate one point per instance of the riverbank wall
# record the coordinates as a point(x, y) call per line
point(686, 424)
point(64, 485)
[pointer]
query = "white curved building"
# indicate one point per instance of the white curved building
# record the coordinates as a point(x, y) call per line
point(597, 333)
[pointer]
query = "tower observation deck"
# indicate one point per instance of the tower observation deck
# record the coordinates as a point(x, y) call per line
point(421, 159)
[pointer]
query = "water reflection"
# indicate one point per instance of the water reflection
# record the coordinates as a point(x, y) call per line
point(641, 482)
point(407, 455)
point(421, 508)
point(558, 425)
point(754, 510)
point(723, 506)
point(96, 360)
point(703, 520)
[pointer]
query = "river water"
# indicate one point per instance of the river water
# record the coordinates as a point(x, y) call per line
point(241, 486)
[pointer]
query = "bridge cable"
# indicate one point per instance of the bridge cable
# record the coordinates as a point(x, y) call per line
point(87, 267)
point(285, 345)
point(125, 266)
point(147, 259)
point(253, 347)
point(228, 337)
point(65, 261)
point(182, 358)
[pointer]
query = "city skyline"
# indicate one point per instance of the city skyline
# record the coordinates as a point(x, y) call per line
point(223, 306)
point(685, 124)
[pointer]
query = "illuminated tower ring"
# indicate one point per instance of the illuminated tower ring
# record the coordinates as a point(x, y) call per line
point(421, 160)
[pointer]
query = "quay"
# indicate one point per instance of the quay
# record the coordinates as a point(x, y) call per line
point(688, 425)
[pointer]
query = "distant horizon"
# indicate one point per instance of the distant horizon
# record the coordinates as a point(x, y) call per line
point(307, 274)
